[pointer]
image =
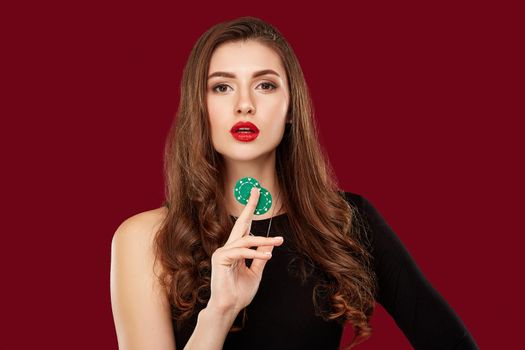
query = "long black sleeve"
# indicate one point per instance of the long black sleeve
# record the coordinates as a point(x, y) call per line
point(418, 309)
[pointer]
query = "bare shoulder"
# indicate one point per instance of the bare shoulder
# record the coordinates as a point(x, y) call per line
point(132, 242)
point(141, 309)
point(141, 227)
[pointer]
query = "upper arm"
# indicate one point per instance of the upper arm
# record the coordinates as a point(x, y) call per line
point(419, 310)
point(141, 310)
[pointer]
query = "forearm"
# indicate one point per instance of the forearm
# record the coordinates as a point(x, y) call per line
point(211, 329)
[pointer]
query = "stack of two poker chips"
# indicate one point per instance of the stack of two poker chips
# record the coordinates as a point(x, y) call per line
point(242, 192)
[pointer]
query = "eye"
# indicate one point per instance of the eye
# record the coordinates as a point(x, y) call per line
point(273, 86)
point(214, 89)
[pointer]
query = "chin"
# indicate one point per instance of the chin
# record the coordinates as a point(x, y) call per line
point(245, 152)
point(241, 156)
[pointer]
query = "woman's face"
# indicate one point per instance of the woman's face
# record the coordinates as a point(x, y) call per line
point(241, 96)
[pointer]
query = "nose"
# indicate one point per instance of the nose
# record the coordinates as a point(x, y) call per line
point(245, 104)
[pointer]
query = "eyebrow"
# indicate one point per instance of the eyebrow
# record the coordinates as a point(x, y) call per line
point(255, 74)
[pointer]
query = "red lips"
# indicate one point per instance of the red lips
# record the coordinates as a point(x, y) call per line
point(241, 124)
point(244, 131)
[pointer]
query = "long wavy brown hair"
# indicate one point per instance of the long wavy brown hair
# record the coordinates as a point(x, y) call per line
point(325, 227)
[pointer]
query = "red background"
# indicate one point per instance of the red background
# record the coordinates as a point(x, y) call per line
point(417, 105)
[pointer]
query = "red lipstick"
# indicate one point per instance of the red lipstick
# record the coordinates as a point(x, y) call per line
point(244, 131)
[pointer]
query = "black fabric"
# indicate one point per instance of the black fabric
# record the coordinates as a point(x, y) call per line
point(282, 315)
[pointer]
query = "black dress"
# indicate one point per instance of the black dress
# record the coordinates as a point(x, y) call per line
point(282, 315)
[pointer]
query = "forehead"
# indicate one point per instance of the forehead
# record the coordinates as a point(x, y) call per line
point(242, 58)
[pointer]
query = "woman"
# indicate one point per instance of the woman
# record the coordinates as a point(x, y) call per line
point(242, 166)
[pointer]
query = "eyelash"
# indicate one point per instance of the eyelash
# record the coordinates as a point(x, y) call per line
point(267, 83)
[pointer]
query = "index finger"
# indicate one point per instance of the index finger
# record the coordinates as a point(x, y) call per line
point(244, 221)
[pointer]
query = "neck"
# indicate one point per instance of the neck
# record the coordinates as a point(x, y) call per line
point(263, 170)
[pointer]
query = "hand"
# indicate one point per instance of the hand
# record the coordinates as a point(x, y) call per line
point(233, 284)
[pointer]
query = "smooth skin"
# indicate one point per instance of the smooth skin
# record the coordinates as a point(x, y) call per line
point(233, 284)
point(141, 310)
point(246, 96)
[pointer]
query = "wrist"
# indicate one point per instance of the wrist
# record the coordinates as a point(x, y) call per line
point(220, 308)
point(221, 314)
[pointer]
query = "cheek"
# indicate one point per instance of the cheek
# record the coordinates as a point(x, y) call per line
point(276, 106)
point(276, 117)
point(214, 113)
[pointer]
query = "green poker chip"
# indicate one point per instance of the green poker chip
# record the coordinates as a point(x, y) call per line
point(265, 202)
point(242, 192)
point(243, 187)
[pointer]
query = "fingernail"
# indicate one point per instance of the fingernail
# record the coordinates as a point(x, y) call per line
point(279, 238)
